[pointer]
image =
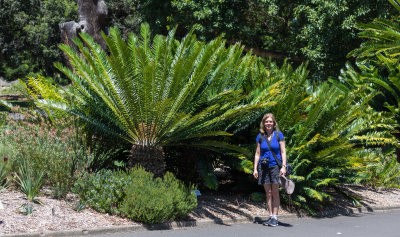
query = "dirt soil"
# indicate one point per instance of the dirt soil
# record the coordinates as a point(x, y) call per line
point(56, 215)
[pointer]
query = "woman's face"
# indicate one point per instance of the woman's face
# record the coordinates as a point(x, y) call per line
point(269, 123)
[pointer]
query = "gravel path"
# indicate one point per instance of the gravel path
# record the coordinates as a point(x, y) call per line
point(55, 215)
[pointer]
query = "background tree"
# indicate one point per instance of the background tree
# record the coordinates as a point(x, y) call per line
point(29, 35)
point(321, 32)
point(128, 15)
point(92, 16)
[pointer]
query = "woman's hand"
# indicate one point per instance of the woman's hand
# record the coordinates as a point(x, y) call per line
point(255, 174)
point(283, 171)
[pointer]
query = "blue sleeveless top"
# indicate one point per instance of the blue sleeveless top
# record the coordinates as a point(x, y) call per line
point(265, 153)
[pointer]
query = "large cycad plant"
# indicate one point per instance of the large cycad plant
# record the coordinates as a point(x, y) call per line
point(379, 65)
point(154, 93)
point(383, 37)
point(325, 127)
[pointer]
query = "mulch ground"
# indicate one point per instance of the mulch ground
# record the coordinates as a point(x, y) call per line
point(55, 215)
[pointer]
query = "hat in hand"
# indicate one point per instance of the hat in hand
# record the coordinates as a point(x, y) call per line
point(287, 184)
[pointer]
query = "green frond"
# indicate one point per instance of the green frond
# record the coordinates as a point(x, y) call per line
point(325, 182)
point(316, 172)
point(300, 198)
point(314, 194)
point(376, 141)
point(396, 4)
point(297, 178)
point(247, 166)
point(5, 104)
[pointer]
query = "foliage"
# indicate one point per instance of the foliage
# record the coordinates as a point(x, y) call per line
point(4, 172)
point(3, 117)
point(136, 193)
point(80, 206)
point(378, 66)
point(323, 147)
point(320, 31)
point(266, 83)
point(381, 170)
point(128, 15)
point(191, 64)
point(153, 201)
point(325, 126)
point(27, 209)
point(55, 149)
point(379, 61)
point(325, 30)
point(382, 35)
point(257, 196)
point(4, 105)
point(104, 190)
point(29, 35)
point(30, 181)
point(12, 88)
point(285, 89)
point(376, 79)
point(4, 164)
point(155, 93)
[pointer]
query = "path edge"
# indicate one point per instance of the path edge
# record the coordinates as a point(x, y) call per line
point(184, 224)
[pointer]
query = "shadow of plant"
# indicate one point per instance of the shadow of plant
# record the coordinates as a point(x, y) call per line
point(219, 208)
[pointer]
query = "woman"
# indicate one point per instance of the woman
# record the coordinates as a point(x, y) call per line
point(266, 169)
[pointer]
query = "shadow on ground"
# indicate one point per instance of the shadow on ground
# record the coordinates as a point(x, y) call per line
point(231, 208)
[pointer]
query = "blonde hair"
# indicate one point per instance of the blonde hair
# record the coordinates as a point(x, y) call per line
point(262, 126)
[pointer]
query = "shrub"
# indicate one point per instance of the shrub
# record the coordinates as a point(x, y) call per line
point(103, 191)
point(153, 201)
point(381, 169)
point(55, 147)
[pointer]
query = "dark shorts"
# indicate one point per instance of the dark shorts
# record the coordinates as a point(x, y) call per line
point(268, 175)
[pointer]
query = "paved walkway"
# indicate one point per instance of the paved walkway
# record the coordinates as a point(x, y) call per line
point(357, 225)
point(358, 221)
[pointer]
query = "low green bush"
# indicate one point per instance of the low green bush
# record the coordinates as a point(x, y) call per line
point(152, 201)
point(136, 194)
point(104, 190)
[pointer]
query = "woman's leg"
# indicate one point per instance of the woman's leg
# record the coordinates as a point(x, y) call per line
point(268, 194)
point(275, 199)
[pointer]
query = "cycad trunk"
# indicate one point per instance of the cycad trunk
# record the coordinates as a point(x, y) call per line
point(150, 158)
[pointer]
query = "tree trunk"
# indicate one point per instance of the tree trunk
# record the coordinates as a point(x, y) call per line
point(92, 15)
point(150, 158)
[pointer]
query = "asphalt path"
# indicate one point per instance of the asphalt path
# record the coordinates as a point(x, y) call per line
point(374, 224)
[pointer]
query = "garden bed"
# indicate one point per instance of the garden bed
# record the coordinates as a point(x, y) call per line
point(56, 215)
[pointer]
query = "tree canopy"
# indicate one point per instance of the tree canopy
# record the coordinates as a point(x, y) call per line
point(319, 31)
point(29, 35)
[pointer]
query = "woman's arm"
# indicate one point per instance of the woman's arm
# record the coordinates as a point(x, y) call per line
point(256, 159)
point(283, 156)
